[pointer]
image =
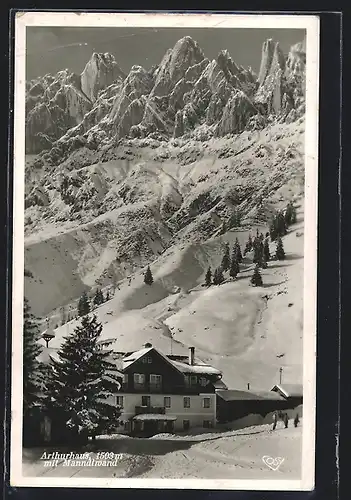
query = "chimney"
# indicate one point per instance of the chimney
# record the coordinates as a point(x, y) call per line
point(248, 387)
point(191, 355)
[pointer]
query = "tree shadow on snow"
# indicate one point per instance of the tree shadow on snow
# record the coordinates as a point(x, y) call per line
point(277, 266)
point(269, 285)
point(293, 256)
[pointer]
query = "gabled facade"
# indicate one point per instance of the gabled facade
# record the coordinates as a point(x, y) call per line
point(161, 394)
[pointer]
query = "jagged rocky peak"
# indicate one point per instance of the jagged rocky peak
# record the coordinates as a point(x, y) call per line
point(100, 72)
point(185, 95)
point(272, 59)
point(60, 106)
point(296, 60)
point(185, 54)
point(281, 81)
point(127, 109)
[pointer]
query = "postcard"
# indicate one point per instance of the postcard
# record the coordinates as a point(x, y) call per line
point(164, 250)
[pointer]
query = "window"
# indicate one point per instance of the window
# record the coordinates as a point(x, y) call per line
point(145, 401)
point(186, 402)
point(206, 403)
point(155, 381)
point(193, 380)
point(186, 425)
point(203, 381)
point(139, 380)
point(125, 380)
point(119, 401)
point(187, 380)
point(147, 360)
point(207, 424)
point(167, 402)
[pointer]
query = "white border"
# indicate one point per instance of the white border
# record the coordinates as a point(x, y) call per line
point(311, 25)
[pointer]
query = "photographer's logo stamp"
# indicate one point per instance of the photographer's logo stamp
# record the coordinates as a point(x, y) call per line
point(273, 463)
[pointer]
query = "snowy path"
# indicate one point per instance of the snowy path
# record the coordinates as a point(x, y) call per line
point(225, 455)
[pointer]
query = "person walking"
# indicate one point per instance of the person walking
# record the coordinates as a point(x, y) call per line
point(286, 420)
point(275, 420)
point(296, 420)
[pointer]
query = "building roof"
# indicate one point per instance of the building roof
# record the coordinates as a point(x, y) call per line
point(182, 366)
point(129, 360)
point(219, 384)
point(198, 367)
point(153, 416)
point(135, 356)
point(236, 395)
point(289, 390)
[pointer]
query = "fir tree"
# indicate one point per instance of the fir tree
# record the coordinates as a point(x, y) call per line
point(82, 381)
point(226, 258)
point(234, 267)
point(282, 227)
point(98, 298)
point(31, 367)
point(249, 245)
point(273, 233)
point(218, 277)
point(280, 253)
point(278, 226)
point(266, 251)
point(258, 251)
point(237, 251)
point(148, 278)
point(208, 277)
point(83, 305)
point(256, 279)
point(288, 213)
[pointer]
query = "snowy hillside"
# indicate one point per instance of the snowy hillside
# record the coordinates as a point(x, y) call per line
point(150, 168)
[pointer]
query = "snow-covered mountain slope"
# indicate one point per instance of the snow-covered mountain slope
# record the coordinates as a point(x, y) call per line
point(151, 173)
point(99, 223)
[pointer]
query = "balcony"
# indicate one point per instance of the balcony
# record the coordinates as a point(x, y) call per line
point(149, 409)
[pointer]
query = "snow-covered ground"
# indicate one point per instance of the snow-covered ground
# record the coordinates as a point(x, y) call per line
point(257, 330)
point(215, 455)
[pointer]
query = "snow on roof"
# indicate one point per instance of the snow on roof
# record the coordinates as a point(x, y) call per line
point(268, 395)
point(289, 390)
point(135, 355)
point(235, 395)
point(153, 416)
point(219, 384)
point(196, 368)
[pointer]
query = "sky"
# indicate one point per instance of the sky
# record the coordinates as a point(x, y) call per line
point(51, 49)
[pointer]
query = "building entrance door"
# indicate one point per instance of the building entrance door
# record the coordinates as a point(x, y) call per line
point(169, 427)
point(150, 427)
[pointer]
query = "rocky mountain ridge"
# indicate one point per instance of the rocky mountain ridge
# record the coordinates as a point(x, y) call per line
point(158, 159)
point(185, 95)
